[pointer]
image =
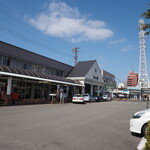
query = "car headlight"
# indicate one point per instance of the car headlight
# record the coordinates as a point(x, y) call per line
point(138, 115)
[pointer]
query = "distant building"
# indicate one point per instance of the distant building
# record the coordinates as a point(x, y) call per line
point(121, 85)
point(109, 80)
point(132, 79)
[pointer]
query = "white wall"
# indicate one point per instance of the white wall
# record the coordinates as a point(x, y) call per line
point(94, 73)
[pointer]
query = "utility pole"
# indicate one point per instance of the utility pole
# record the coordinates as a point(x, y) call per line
point(75, 50)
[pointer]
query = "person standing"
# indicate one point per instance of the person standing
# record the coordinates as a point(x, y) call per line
point(61, 96)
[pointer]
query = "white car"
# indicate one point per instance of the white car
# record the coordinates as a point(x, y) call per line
point(88, 98)
point(138, 122)
point(107, 98)
point(78, 98)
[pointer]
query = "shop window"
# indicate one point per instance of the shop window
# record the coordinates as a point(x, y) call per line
point(61, 73)
point(47, 71)
point(1, 60)
point(20, 84)
point(24, 66)
point(57, 73)
point(30, 66)
point(53, 72)
point(6, 60)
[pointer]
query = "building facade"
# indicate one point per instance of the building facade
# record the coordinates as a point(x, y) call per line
point(109, 80)
point(88, 73)
point(27, 77)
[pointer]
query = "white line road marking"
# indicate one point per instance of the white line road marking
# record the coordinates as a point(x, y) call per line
point(141, 144)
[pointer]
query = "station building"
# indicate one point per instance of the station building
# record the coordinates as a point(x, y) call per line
point(88, 73)
point(27, 77)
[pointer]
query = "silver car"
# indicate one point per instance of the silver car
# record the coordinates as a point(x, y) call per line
point(107, 98)
point(88, 98)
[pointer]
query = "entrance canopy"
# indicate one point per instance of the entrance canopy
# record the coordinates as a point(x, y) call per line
point(15, 72)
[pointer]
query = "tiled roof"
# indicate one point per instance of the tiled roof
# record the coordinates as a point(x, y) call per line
point(81, 69)
point(9, 69)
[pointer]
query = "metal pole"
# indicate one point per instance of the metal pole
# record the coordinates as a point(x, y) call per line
point(75, 50)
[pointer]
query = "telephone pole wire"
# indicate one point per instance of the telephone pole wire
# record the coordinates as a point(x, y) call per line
point(75, 50)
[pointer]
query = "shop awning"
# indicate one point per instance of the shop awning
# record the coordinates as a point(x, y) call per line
point(15, 72)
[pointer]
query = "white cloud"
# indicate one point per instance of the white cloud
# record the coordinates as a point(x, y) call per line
point(128, 48)
point(114, 42)
point(61, 20)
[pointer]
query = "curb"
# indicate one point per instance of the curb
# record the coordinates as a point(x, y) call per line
point(141, 144)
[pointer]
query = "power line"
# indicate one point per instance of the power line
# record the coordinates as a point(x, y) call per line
point(23, 22)
point(119, 80)
point(27, 38)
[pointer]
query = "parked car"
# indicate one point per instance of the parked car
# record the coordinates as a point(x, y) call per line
point(78, 98)
point(138, 122)
point(88, 98)
point(107, 98)
point(99, 99)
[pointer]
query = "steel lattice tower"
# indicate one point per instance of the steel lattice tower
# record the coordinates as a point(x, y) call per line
point(143, 81)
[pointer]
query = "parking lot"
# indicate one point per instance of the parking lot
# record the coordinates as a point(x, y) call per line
point(92, 126)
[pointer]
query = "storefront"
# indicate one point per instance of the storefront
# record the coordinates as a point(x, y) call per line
point(21, 87)
point(38, 80)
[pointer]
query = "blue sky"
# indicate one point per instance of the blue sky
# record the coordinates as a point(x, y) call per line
point(105, 30)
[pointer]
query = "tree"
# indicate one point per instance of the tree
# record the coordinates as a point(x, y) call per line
point(147, 144)
point(146, 26)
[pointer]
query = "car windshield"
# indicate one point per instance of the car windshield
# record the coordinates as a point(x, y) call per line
point(77, 95)
point(86, 95)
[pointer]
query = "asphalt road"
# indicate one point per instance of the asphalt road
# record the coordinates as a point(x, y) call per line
point(94, 126)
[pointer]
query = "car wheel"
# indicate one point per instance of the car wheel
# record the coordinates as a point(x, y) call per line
point(144, 130)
